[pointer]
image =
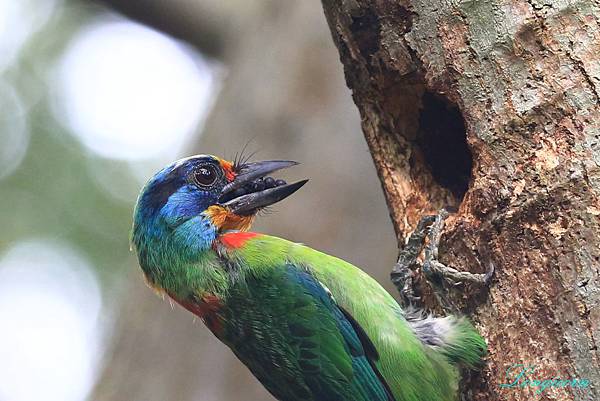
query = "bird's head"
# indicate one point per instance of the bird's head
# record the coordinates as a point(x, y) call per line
point(186, 205)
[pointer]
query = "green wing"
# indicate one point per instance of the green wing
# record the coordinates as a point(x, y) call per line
point(288, 330)
point(411, 370)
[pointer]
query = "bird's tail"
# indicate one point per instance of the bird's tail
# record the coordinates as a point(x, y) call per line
point(454, 337)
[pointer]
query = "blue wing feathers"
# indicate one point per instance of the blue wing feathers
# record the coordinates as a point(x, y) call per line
point(366, 376)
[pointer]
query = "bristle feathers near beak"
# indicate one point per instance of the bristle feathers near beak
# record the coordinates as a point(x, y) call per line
point(251, 171)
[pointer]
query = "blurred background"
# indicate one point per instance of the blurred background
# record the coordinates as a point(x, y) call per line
point(97, 95)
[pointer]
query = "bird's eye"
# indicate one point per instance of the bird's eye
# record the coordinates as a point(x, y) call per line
point(205, 175)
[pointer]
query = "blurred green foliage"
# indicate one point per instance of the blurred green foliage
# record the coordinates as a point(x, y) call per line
point(54, 192)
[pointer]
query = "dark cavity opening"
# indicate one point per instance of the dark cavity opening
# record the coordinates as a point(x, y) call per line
point(443, 141)
point(366, 29)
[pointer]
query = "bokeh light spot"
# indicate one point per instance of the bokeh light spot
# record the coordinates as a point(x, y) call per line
point(130, 92)
point(18, 20)
point(49, 307)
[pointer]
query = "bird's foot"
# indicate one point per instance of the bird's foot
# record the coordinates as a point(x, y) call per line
point(442, 277)
point(404, 272)
point(433, 269)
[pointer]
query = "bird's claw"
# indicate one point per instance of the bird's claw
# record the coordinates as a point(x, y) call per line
point(404, 272)
point(436, 273)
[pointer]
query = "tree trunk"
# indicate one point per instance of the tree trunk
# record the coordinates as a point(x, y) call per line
point(493, 107)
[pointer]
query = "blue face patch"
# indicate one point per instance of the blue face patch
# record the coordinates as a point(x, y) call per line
point(174, 180)
point(161, 187)
point(169, 213)
point(187, 202)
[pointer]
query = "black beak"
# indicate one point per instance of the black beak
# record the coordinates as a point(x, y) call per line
point(248, 192)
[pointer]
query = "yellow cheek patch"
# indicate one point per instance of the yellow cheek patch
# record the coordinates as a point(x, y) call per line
point(225, 220)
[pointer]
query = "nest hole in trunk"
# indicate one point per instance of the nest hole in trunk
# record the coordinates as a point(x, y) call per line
point(443, 142)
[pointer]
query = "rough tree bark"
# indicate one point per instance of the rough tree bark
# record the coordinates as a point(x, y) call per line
point(493, 107)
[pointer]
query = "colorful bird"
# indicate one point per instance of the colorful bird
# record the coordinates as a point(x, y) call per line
point(309, 326)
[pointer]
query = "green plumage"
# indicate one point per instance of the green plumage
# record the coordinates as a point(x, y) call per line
point(313, 327)
point(309, 326)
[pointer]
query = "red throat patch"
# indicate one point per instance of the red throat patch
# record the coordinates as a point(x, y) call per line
point(236, 239)
point(228, 169)
point(205, 308)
